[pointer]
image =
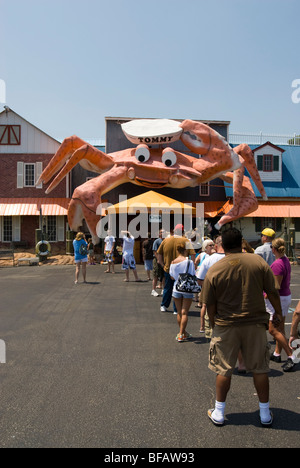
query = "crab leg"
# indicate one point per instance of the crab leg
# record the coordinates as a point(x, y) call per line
point(244, 199)
point(89, 157)
point(246, 153)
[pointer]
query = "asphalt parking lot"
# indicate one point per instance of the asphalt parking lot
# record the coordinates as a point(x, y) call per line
point(97, 365)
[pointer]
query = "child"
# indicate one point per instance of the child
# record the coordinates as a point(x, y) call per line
point(91, 254)
point(109, 252)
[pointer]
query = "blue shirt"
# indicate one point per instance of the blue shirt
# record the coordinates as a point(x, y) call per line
point(156, 244)
point(76, 245)
point(265, 251)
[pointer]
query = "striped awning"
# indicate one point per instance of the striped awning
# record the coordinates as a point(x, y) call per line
point(32, 206)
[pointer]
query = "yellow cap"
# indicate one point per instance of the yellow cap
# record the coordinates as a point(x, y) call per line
point(268, 232)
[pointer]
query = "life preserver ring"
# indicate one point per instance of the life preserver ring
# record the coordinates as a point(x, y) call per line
point(43, 251)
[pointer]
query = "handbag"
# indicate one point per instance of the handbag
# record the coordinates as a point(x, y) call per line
point(187, 283)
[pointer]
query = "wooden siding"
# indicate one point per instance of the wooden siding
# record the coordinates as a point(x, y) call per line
point(33, 140)
point(273, 176)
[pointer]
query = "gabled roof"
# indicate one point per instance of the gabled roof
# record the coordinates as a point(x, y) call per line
point(290, 185)
point(8, 109)
point(268, 143)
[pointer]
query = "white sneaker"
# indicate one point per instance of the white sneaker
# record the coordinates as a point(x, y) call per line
point(163, 309)
point(154, 293)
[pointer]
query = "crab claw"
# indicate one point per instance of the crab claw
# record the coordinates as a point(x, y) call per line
point(201, 144)
point(66, 149)
point(72, 151)
point(87, 156)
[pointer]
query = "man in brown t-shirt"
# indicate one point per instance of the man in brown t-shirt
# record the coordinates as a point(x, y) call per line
point(233, 291)
point(166, 253)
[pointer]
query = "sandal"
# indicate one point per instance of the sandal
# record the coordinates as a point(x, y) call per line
point(269, 423)
point(216, 423)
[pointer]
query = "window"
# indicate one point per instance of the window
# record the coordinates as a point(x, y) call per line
point(262, 223)
point(204, 189)
point(268, 163)
point(51, 228)
point(29, 175)
point(10, 134)
point(10, 228)
point(7, 229)
point(54, 227)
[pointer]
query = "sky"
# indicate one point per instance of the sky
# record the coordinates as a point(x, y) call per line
point(67, 64)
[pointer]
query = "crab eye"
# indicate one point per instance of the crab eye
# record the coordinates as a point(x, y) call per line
point(142, 153)
point(169, 158)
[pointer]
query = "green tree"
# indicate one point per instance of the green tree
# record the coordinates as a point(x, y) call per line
point(294, 141)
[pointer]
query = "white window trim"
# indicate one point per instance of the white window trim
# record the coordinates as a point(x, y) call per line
point(16, 229)
point(20, 175)
point(60, 229)
point(38, 172)
point(38, 169)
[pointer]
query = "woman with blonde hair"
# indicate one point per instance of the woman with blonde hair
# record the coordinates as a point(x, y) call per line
point(81, 255)
point(183, 301)
point(281, 268)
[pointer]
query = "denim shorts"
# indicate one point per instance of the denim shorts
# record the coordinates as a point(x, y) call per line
point(179, 295)
point(148, 265)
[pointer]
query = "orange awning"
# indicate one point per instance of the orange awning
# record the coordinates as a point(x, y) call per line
point(274, 209)
point(32, 206)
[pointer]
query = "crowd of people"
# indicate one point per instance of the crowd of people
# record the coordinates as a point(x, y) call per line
point(245, 292)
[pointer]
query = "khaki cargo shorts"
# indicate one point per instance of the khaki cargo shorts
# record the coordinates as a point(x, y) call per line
point(228, 340)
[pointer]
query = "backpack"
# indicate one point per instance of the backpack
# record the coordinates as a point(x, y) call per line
point(83, 250)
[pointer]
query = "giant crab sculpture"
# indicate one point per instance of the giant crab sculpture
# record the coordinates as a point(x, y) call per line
point(156, 168)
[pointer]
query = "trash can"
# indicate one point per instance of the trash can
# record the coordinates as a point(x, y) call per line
point(70, 236)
